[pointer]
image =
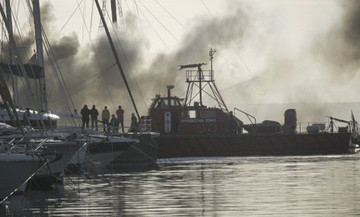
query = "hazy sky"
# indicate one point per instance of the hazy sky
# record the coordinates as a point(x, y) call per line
point(268, 51)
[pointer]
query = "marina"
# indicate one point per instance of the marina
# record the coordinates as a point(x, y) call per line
point(152, 146)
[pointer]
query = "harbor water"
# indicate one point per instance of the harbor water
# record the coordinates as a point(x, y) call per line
point(231, 186)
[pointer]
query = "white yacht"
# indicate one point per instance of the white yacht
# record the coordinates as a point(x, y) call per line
point(15, 170)
point(100, 150)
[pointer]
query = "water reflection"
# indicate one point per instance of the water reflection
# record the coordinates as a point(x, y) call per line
point(247, 186)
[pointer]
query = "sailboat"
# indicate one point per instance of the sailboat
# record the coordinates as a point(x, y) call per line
point(37, 119)
point(15, 170)
point(144, 152)
point(33, 141)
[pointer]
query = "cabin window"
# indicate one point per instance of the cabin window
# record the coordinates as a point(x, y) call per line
point(192, 114)
point(208, 114)
point(161, 104)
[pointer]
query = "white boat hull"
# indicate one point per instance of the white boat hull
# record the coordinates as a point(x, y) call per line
point(15, 170)
point(101, 151)
point(65, 151)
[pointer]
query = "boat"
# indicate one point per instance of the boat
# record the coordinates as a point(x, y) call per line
point(58, 151)
point(15, 170)
point(98, 150)
point(103, 149)
point(144, 151)
point(9, 105)
point(140, 155)
point(188, 128)
point(37, 119)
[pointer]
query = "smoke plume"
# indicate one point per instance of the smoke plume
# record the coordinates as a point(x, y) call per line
point(321, 67)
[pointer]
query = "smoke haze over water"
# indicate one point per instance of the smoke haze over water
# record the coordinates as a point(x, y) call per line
point(296, 54)
point(320, 68)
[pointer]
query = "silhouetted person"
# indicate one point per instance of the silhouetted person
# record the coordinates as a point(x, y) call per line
point(120, 117)
point(26, 117)
point(133, 124)
point(105, 116)
point(94, 118)
point(85, 113)
point(114, 123)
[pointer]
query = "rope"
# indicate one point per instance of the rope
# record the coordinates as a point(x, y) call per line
point(72, 14)
point(170, 14)
point(152, 27)
point(128, 64)
point(93, 47)
point(159, 21)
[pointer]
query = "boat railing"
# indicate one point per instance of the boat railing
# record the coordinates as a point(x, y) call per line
point(302, 127)
point(249, 116)
point(193, 76)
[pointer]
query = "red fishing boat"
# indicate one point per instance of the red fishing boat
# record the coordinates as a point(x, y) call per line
point(188, 128)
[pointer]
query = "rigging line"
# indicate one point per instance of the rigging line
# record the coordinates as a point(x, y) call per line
point(72, 14)
point(169, 14)
point(91, 17)
point(205, 6)
point(139, 18)
point(97, 60)
point(58, 92)
point(82, 32)
point(142, 29)
point(243, 61)
point(158, 21)
point(77, 89)
point(27, 80)
point(96, 76)
point(152, 27)
point(127, 61)
point(141, 26)
point(57, 72)
point(17, 10)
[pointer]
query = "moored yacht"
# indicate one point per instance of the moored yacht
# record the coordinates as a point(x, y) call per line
point(15, 170)
point(100, 150)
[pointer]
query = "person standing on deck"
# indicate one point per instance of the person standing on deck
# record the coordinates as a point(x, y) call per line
point(120, 117)
point(105, 116)
point(85, 113)
point(114, 123)
point(133, 125)
point(94, 118)
point(26, 117)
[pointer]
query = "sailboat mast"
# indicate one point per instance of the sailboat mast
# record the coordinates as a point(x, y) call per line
point(40, 53)
point(12, 53)
point(117, 58)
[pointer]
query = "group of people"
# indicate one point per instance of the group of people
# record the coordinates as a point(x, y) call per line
point(109, 125)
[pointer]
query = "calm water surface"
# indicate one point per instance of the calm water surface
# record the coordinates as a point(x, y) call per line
point(243, 186)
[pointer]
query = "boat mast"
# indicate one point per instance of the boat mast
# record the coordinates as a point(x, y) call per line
point(211, 55)
point(117, 58)
point(12, 53)
point(40, 54)
point(113, 11)
point(202, 76)
point(16, 52)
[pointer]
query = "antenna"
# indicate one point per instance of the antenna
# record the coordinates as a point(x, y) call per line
point(211, 55)
point(203, 79)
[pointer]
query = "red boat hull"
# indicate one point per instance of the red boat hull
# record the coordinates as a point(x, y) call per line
point(171, 146)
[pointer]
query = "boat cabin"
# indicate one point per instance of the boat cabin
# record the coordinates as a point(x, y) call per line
point(169, 116)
